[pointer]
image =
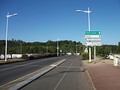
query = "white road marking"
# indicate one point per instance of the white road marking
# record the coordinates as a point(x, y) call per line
point(21, 65)
point(17, 66)
point(63, 77)
point(20, 77)
point(23, 83)
point(53, 65)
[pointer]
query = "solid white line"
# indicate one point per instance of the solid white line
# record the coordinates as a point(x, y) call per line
point(62, 60)
point(15, 80)
point(94, 88)
point(91, 80)
point(53, 65)
point(16, 66)
point(21, 65)
point(62, 77)
point(23, 83)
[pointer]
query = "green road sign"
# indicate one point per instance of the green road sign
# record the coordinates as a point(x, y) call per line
point(92, 33)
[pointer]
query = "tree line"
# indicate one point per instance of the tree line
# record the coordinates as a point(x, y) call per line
point(21, 47)
point(50, 47)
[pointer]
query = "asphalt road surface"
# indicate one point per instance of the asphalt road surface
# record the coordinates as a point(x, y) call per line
point(70, 75)
point(13, 71)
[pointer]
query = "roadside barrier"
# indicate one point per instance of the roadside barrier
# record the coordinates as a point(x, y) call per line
point(117, 60)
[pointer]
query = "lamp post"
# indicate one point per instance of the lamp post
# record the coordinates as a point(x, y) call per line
point(88, 12)
point(7, 18)
point(57, 47)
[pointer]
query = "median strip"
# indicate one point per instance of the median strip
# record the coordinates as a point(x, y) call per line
point(25, 82)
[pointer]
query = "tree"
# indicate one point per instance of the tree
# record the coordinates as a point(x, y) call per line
point(118, 43)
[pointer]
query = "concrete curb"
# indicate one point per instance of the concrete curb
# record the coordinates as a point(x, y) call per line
point(86, 70)
point(23, 83)
point(90, 79)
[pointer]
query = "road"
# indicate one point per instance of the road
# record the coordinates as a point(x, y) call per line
point(70, 75)
point(13, 71)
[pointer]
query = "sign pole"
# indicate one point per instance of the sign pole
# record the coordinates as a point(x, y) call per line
point(89, 54)
point(94, 54)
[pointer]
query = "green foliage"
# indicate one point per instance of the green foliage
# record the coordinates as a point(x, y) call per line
point(50, 47)
point(105, 50)
point(85, 56)
point(24, 56)
point(119, 44)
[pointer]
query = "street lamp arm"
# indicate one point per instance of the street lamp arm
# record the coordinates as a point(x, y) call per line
point(83, 11)
point(78, 10)
point(12, 15)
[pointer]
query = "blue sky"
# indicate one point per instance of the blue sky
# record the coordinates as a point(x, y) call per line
point(43, 20)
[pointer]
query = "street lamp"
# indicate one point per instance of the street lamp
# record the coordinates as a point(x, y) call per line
point(88, 12)
point(57, 47)
point(7, 16)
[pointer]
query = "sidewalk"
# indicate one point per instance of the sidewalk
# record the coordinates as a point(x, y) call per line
point(104, 75)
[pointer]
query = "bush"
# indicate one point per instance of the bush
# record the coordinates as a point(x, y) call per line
point(24, 56)
point(85, 56)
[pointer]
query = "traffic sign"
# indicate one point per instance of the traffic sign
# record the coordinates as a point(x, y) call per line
point(92, 33)
point(93, 38)
point(93, 43)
